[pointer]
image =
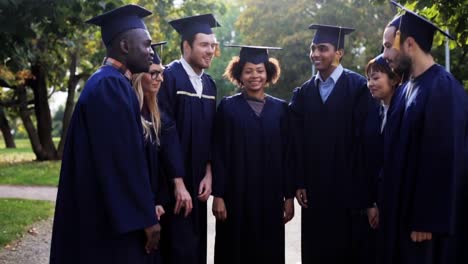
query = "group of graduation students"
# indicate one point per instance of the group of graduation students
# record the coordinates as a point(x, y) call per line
point(378, 164)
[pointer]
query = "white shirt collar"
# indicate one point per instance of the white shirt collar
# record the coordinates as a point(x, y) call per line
point(189, 70)
point(335, 74)
point(385, 107)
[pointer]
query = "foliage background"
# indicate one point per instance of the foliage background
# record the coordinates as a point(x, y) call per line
point(46, 47)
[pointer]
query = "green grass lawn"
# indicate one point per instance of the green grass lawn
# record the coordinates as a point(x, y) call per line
point(18, 168)
point(45, 173)
point(17, 215)
point(22, 152)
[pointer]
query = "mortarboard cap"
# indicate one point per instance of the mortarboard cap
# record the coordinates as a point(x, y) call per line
point(119, 20)
point(254, 54)
point(154, 46)
point(330, 34)
point(381, 61)
point(416, 26)
point(189, 26)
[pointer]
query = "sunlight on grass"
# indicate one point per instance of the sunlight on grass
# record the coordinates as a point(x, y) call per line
point(22, 152)
point(17, 215)
point(45, 173)
point(18, 168)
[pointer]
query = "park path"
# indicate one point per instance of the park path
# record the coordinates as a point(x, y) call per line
point(28, 192)
point(34, 246)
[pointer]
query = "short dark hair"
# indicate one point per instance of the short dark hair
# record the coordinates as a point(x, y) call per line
point(234, 69)
point(189, 40)
point(373, 66)
point(403, 36)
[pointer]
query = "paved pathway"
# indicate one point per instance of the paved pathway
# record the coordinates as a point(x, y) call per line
point(34, 247)
point(28, 192)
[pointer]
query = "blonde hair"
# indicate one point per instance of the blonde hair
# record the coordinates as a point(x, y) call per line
point(152, 104)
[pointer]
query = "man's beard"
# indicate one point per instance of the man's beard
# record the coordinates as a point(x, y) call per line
point(403, 68)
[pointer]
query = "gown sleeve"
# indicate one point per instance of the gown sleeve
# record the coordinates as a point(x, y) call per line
point(220, 150)
point(288, 176)
point(296, 119)
point(171, 149)
point(117, 149)
point(440, 159)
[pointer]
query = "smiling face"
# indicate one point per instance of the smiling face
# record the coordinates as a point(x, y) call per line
point(390, 53)
point(395, 56)
point(140, 54)
point(324, 56)
point(254, 76)
point(152, 80)
point(379, 85)
point(202, 51)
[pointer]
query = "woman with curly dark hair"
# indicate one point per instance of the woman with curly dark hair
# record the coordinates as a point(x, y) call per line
point(253, 195)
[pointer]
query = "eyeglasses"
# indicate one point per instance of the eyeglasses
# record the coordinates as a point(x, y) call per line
point(155, 74)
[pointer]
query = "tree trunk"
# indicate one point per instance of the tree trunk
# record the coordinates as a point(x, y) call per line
point(42, 111)
point(6, 130)
point(70, 104)
point(28, 124)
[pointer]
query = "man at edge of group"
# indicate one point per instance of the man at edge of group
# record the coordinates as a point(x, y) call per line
point(188, 96)
point(105, 208)
point(424, 210)
point(328, 115)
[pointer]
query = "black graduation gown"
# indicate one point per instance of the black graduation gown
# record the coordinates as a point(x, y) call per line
point(164, 160)
point(328, 164)
point(425, 171)
point(373, 149)
point(152, 150)
point(185, 238)
point(373, 162)
point(249, 173)
point(104, 198)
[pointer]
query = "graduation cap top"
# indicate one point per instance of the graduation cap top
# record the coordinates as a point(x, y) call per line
point(381, 61)
point(330, 34)
point(154, 46)
point(119, 20)
point(189, 26)
point(254, 54)
point(416, 26)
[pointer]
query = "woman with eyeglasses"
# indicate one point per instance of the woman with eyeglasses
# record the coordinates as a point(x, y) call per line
point(162, 146)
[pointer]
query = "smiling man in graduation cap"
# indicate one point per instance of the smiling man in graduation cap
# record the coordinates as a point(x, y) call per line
point(328, 114)
point(188, 96)
point(105, 209)
point(426, 146)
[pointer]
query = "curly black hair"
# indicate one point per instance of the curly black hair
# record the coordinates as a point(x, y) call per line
point(233, 71)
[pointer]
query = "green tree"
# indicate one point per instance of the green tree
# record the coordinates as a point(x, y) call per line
point(285, 23)
point(451, 15)
point(45, 46)
point(226, 34)
point(6, 129)
point(41, 44)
